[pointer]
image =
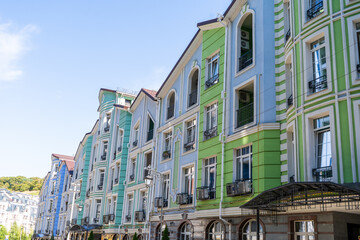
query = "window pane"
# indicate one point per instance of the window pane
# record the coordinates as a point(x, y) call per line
point(300, 226)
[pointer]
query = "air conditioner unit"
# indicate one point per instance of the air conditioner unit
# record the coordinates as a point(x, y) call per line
point(182, 198)
point(203, 193)
point(245, 35)
point(139, 216)
point(245, 44)
point(238, 188)
point(244, 97)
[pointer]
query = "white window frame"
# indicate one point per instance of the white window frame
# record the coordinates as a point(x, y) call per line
point(206, 112)
point(166, 186)
point(209, 62)
point(119, 140)
point(185, 175)
point(143, 194)
point(132, 169)
point(241, 158)
point(167, 119)
point(99, 180)
point(306, 234)
point(290, 85)
point(353, 48)
point(189, 83)
point(305, 6)
point(308, 71)
point(129, 207)
point(185, 135)
point(206, 168)
point(292, 163)
point(97, 210)
point(167, 136)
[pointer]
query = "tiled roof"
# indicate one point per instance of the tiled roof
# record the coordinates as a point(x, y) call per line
point(152, 93)
point(70, 164)
point(63, 157)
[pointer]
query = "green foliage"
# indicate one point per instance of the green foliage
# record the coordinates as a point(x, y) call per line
point(165, 234)
point(135, 237)
point(52, 237)
point(91, 236)
point(14, 232)
point(3, 232)
point(21, 184)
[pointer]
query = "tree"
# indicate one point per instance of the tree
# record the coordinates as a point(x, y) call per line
point(135, 237)
point(165, 234)
point(14, 232)
point(52, 237)
point(3, 232)
point(91, 236)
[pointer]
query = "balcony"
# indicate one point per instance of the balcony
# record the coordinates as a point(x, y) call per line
point(190, 145)
point(193, 98)
point(323, 174)
point(315, 9)
point(95, 220)
point(166, 154)
point(238, 188)
point(135, 143)
point(205, 193)
point(184, 198)
point(85, 220)
point(68, 223)
point(245, 60)
point(140, 216)
point(132, 177)
point(103, 157)
point(88, 193)
point(287, 36)
point(212, 80)
point(210, 133)
point(161, 204)
point(290, 101)
point(318, 84)
point(114, 157)
point(150, 135)
point(92, 167)
point(245, 115)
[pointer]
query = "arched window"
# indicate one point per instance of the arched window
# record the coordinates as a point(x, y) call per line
point(140, 237)
point(185, 231)
point(215, 231)
point(193, 88)
point(249, 230)
point(170, 105)
point(126, 237)
point(245, 50)
point(158, 233)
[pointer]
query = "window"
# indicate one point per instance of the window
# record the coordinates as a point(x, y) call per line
point(304, 230)
point(167, 145)
point(210, 173)
point(107, 122)
point(105, 149)
point(158, 233)
point(129, 208)
point(112, 174)
point(289, 84)
point(245, 42)
point(215, 231)
point(212, 70)
point(132, 170)
point(150, 133)
point(323, 170)
point(166, 189)
point(171, 105)
point(189, 182)
point(316, 7)
point(190, 135)
point(185, 231)
point(120, 140)
point(291, 154)
point(117, 174)
point(101, 180)
point(318, 61)
point(97, 210)
point(249, 231)
point(113, 208)
point(148, 158)
point(287, 21)
point(210, 121)
point(136, 136)
point(94, 154)
point(193, 88)
point(244, 105)
point(143, 200)
point(357, 31)
point(243, 163)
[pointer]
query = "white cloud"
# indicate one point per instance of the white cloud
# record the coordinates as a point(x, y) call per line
point(13, 43)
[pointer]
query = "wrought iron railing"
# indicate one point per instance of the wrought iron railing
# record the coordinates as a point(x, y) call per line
point(212, 80)
point(210, 133)
point(315, 9)
point(318, 84)
point(205, 192)
point(323, 174)
point(245, 115)
point(193, 98)
point(245, 60)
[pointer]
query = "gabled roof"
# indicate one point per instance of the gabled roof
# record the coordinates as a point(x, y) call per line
point(70, 165)
point(150, 93)
point(62, 157)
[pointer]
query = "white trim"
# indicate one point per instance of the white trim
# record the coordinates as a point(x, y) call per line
point(353, 48)
point(189, 78)
point(291, 127)
point(348, 2)
point(178, 120)
point(356, 107)
point(167, 105)
point(254, 129)
point(304, 7)
point(193, 117)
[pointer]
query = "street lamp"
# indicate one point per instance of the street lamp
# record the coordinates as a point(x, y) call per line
point(148, 181)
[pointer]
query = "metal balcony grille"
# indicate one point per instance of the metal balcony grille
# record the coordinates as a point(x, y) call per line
point(211, 81)
point(245, 60)
point(210, 133)
point(166, 154)
point(192, 98)
point(287, 36)
point(323, 174)
point(205, 193)
point(245, 115)
point(135, 143)
point(315, 9)
point(318, 84)
point(103, 157)
point(290, 100)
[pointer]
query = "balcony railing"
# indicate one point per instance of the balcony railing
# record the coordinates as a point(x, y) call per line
point(245, 60)
point(166, 154)
point(212, 132)
point(160, 204)
point(150, 135)
point(290, 100)
point(190, 145)
point(135, 143)
point(107, 128)
point(103, 157)
point(100, 187)
point(128, 218)
point(323, 174)
point(119, 149)
point(318, 84)
point(193, 98)
point(287, 36)
point(132, 177)
point(74, 221)
point(170, 112)
point(116, 181)
point(112, 217)
point(184, 198)
point(212, 80)
point(239, 187)
point(245, 115)
point(205, 192)
point(106, 219)
point(315, 9)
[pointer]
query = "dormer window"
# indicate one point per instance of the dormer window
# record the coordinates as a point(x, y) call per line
point(171, 105)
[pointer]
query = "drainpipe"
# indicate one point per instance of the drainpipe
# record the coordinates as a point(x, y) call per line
point(223, 134)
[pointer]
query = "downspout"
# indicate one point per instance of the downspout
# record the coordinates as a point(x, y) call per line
point(223, 134)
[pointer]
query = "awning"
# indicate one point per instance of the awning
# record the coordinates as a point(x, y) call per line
point(83, 228)
point(303, 194)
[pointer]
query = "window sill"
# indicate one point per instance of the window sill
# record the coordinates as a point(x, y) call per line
point(165, 160)
point(207, 139)
point(308, 22)
point(169, 119)
point(323, 92)
point(241, 128)
point(188, 152)
point(238, 73)
point(192, 106)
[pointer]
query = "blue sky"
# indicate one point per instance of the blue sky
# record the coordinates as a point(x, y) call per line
point(56, 55)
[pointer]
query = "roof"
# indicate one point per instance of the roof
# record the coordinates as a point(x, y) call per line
point(150, 93)
point(70, 164)
point(62, 157)
point(298, 194)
